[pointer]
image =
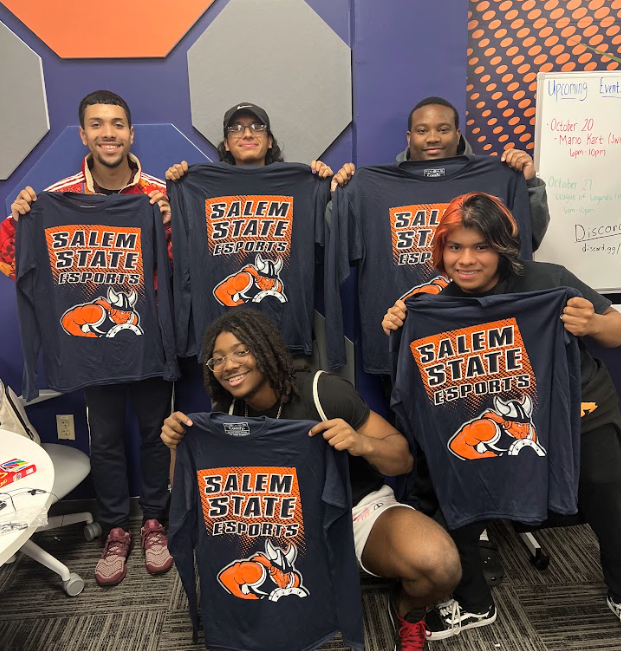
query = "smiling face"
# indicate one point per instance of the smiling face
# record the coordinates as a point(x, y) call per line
point(248, 147)
point(107, 134)
point(469, 260)
point(241, 377)
point(433, 133)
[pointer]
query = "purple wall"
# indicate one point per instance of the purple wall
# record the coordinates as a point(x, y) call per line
point(397, 61)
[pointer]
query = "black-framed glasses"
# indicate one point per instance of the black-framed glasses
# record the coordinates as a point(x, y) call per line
point(216, 364)
point(240, 129)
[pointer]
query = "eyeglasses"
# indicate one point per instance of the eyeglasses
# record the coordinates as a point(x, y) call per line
point(217, 363)
point(240, 129)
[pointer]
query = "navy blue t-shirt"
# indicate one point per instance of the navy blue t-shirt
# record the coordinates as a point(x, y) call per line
point(384, 221)
point(266, 509)
point(86, 297)
point(490, 389)
point(246, 236)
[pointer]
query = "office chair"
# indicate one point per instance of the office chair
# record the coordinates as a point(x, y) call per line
point(526, 532)
point(71, 467)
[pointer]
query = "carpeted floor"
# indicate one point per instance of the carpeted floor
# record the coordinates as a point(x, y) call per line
point(560, 609)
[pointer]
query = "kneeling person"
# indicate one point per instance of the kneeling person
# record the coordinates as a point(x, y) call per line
point(251, 373)
point(477, 246)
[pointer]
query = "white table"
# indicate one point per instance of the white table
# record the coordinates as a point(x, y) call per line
point(13, 446)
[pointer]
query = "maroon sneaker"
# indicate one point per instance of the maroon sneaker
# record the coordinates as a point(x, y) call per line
point(112, 566)
point(155, 544)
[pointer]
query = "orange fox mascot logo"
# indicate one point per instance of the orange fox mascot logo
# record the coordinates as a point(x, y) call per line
point(505, 430)
point(252, 283)
point(268, 575)
point(103, 317)
point(433, 286)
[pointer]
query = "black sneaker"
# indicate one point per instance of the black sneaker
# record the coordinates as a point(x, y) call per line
point(615, 606)
point(410, 632)
point(449, 618)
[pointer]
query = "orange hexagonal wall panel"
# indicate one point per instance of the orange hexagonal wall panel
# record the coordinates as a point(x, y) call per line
point(78, 30)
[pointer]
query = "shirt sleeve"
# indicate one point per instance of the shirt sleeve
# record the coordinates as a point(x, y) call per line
point(168, 232)
point(340, 399)
point(322, 201)
point(343, 248)
point(182, 529)
point(164, 297)
point(338, 535)
point(181, 267)
point(600, 304)
point(520, 208)
point(539, 211)
point(26, 278)
point(7, 247)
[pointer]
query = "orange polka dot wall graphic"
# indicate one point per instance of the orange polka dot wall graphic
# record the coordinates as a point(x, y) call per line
point(510, 41)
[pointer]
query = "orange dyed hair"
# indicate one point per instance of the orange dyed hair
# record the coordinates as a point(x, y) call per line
point(491, 217)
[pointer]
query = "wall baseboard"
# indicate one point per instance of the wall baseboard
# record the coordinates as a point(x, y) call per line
point(65, 507)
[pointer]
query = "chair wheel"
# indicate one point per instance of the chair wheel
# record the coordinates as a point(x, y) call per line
point(540, 561)
point(92, 531)
point(74, 585)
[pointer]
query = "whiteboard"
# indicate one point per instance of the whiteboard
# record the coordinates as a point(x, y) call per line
point(578, 155)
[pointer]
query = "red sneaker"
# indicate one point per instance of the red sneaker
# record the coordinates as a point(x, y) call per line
point(155, 544)
point(410, 632)
point(112, 566)
point(411, 636)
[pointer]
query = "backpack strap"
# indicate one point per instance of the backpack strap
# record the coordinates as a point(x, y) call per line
point(318, 406)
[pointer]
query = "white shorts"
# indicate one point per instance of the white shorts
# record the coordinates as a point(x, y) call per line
point(365, 514)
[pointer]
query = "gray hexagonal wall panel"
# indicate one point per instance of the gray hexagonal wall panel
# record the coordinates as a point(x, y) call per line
point(280, 55)
point(23, 105)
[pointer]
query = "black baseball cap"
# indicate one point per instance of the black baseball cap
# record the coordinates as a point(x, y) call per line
point(250, 108)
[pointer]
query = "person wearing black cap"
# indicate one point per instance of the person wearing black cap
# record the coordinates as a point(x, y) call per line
point(248, 140)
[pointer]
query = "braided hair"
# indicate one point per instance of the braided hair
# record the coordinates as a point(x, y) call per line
point(263, 339)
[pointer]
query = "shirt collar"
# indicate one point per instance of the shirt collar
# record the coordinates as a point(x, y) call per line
point(91, 184)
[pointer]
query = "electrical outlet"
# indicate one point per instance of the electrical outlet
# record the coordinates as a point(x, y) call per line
point(65, 427)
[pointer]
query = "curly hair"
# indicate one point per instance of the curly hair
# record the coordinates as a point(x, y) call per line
point(274, 154)
point(489, 215)
point(261, 336)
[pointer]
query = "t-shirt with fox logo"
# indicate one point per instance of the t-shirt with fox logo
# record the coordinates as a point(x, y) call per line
point(384, 222)
point(246, 236)
point(489, 388)
point(266, 511)
point(85, 274)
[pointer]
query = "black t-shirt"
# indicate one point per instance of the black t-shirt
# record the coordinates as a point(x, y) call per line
point(338, 399)
point(597, 385)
